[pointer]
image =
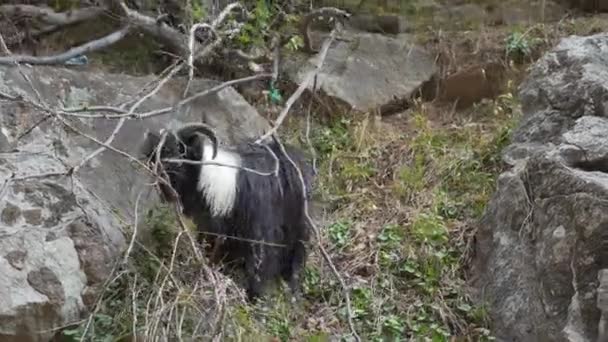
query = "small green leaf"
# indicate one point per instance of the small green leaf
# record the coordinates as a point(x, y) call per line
point(275, 95)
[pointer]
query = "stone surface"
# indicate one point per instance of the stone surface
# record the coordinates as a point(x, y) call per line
point(368, 71)
point(471, 85)
point(543, 238)
point(60, 236)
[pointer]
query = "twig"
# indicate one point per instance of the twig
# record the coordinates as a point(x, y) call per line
point(133, 116)
point(9, 96)
point(277, 57)
point(111, 148)
point(123, 120)
point(199, 95)
point(134, 306)
point(195, 162)
point(23, 74)
point(308, 117)
point(191, 41)
point(94, 109)
point(222, 16)
point(135, 224)
point(296, 95)
point(79, 50)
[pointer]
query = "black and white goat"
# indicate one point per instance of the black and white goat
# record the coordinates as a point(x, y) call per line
point(261, 216)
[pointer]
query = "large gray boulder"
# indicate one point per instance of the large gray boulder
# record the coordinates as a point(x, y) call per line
point(368, 71)
point(543, 238)
point(61, 236)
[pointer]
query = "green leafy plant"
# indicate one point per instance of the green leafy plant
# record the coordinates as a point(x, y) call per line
point(295, 43)
point(519, 45)
point(339, 233)
point(256, 29)
point(198, 11)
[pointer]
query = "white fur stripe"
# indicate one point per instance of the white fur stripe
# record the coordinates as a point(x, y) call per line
point(218, 183)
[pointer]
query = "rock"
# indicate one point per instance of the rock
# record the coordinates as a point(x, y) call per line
point(60, 236)
point(544, 235)
point(602, 304)
point(368, 71)
point(473, 84)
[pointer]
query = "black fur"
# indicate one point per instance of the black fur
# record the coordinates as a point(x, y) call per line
point(267, 209)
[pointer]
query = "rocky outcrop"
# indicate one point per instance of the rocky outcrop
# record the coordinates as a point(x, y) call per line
point(61, 235)
point(544, 236)
point(368, 71)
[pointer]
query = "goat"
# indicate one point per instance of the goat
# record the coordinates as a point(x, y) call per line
point(261, 217)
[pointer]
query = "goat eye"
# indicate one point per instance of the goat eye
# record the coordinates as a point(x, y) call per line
point(182, 148)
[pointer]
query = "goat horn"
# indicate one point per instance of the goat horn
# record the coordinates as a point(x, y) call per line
point(187, 131)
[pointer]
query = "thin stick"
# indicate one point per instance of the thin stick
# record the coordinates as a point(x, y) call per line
point(123, 120)
point(308, 123)
point(196, 162)
point(157, 112)
point(79, 50)
point(135, 224)
point(296, 95)
point(191, 41)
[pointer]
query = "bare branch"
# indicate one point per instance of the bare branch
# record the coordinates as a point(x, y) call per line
point(296, 95)
point(79, 50)
point(157, 112)
point(23, 74)
point(123, 120)
point(135, 224)
point(246, 169)
point(191, 42)
point(49, 16)
point(94, 109)
point(222, 16)
point(170, 36)
point(308, 117)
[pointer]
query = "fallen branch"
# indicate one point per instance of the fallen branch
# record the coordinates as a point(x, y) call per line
point(49, 16)
point(170, 36)
point(94, 45)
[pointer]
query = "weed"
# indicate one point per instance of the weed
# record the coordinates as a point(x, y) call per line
point(339, 233)
point(519, 45)
point(256, 28)
point(198, 12)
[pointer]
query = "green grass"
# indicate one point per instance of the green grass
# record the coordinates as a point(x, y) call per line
point(440, 188)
